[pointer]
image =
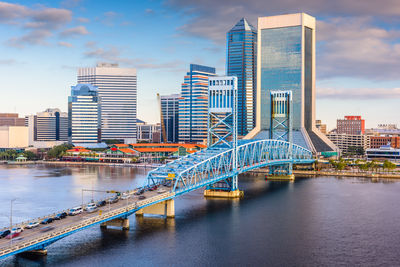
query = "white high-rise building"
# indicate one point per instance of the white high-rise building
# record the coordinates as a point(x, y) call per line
point(117, 90)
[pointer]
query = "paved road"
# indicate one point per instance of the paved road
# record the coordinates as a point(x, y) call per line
point(31, 234)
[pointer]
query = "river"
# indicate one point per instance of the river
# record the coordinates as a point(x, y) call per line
point(325, 221)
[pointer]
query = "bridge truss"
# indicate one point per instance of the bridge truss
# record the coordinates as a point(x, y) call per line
point(216, 164)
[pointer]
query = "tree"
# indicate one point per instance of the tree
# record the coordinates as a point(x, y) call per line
point(58, 151)
point(389, 165)
point(30, 155)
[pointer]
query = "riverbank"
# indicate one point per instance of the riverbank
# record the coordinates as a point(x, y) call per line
point(76, 163)
point(335, 173)
point(347, 174)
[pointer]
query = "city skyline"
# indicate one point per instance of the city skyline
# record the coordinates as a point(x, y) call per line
point(73, 34)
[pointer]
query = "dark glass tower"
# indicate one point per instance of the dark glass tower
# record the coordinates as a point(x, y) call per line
point(241, 62)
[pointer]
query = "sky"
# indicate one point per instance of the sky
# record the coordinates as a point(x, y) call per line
point(42, 43)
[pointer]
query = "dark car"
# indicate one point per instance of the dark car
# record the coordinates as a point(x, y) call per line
point(47, 221)
point(101, 203)
point(60, 216)
point(4, 233)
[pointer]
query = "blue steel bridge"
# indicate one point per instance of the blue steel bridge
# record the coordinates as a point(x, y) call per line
point(213, 167)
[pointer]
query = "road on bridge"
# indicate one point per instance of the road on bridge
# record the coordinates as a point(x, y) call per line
point(69, 221)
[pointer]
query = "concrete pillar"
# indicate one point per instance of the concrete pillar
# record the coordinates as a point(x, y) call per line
point(119, 222)
point(40, 252)
point(272, 177)
point(223, 194)
point(165, 208)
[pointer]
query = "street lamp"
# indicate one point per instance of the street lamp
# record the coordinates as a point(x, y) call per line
point(11, 213)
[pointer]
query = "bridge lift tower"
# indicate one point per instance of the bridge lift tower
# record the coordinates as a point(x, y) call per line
point(281, 128)
point(222, 130)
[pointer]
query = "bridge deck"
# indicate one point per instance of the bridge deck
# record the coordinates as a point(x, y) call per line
point(31, 239)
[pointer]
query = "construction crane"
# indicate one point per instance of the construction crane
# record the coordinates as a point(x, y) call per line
point(164, 133)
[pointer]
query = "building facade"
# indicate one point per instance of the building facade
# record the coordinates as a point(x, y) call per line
point(383, 153)
point(11, 119)
point(349, 142)
point(320, 126)
point(286, 61)
point(378, 141)
point(84, 115)
point(170, 116)
point(50, 125)
point(14, 137)
point(148, 132)
point(241, 62)
point(351, 125)
point(118, 92)
point(193, 104)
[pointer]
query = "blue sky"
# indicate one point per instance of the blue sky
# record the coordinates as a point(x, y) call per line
point(43, 43)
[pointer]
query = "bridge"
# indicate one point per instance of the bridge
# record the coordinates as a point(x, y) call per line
point(213, 168)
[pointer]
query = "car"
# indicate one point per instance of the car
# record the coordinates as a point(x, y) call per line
point(60, 216)
point(17, 230)
point(13, 235)
point(112, 199)
point(75, 211)
point(47, 220)
point(142, 197)
point(46, 228)
point(161, 191)
point(91, 207)
point(125, 196)
point(32, 225)
point(101, 203)
point(4, 233)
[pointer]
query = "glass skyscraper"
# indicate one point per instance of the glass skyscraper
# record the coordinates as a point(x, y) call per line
point(118, 93)
point(193, 104)
point(286, 61)
point(84, 114)
point(170, 115)
point(241, 62)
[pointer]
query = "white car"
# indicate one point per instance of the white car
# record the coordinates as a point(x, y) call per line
point(161, 191)
point(17, 230)
point(32, 225)
point(91, 207)
point(125, 196)
point(75, 211)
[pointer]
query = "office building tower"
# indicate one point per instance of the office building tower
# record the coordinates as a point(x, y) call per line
point(50, 125)
point(320, 126)
point(148, 132)
point(193, 104)
point(84, 114)
point(241, 62)
point(286, 61)
point(170, 117)
point(118, 92)
point(351, 125)
point(11, 119)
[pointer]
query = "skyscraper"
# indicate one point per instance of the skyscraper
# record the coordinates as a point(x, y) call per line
point(170, 116)
point(286, 61)
point(49, 125)
point(241, 62)
point(84, 114)
point(118, 92)
point(193, 104)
